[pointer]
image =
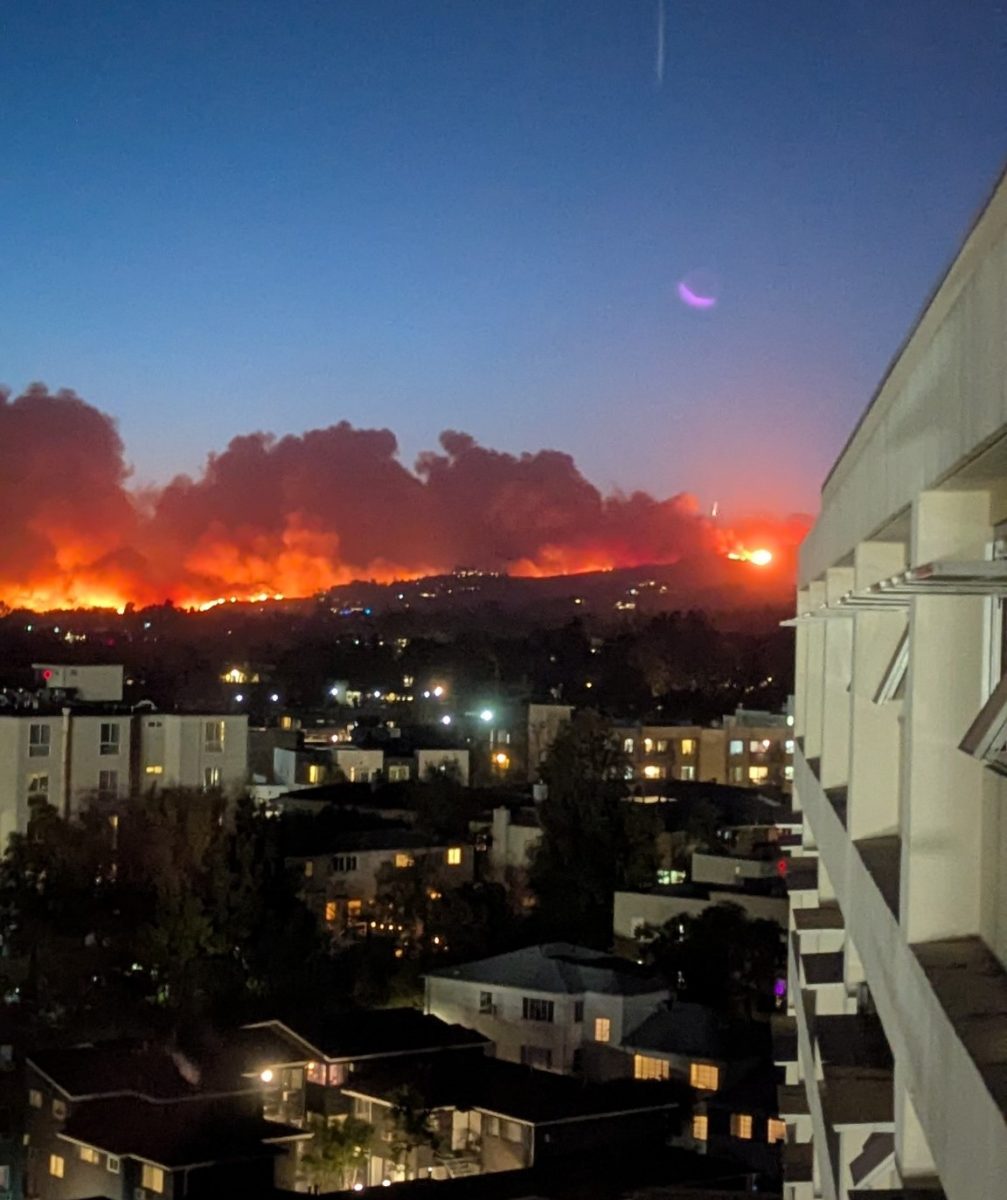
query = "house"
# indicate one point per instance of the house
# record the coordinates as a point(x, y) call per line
point(120, 1118)
point(559, 1007)
point(480, 1115)
point(658, 905)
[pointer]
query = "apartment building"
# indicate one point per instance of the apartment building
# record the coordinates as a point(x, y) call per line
point(898, 986)
point(73, 739)
point(557, 1007)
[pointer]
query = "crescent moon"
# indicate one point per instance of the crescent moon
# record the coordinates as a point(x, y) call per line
point(693, 299)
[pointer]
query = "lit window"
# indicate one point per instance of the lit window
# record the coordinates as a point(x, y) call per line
point(316, 1073)
point(758, 774)
point(331, 911)
point(700, 1127)
point(645, 1067)
point(662, 745)
point(211, 778)
point(648, 745)
point(776, 1130)
point(314, 772)
point(354, 907)
point(153, 769)
point(152, 1178)
point(533, 1009)
point(788, 772)
point(602, 1029)
point(108, 784)
point(398, 773)
point(688, 745)
point(56, 1165)
point(112, 1164)
point(213, 738)
point(403, 860)
point(35, 1098)
point(88, 1154)
point(309, 869)
point(627, 745)
point(59, 1110)
point(454, 856)
point(736, 747)
point(741, 1126)
point(704, 1075)
point(337, 1076)
point(109, 738)
point(651, 772)
point(788, 745)
point(688, 771)
point(39, 737)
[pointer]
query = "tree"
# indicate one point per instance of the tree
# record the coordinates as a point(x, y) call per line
point(594, 841)
point(337, 1154)
point(412, 1124)
point(720, 957)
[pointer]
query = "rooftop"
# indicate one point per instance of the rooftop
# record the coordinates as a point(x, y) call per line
point(378, 1032)
point(560, 968)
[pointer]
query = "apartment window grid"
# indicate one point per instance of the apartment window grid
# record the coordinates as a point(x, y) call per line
point(213, 737)
point(741, 1126)
point(647, 1067)
point(108, 738)
point(39, 740)
point(700, 1127)
point(704, 1076)
point(535, 1009)
point(108, 785)
point(602, 1029)
point(776, 1130)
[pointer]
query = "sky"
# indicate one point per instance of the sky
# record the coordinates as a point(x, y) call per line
point(238, 216)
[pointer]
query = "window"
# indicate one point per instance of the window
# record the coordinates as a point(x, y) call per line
point(38, 741)
point(88, 1154)
point(211, 778)
point(331, 911)
point(398, 773)
point(314, 773)
point(403, 860)
point(578, 1011)
point(704, 1075)
point(669, 877)
point(112, 1164)
point(108, 738)
point(511, 1131)
point(776, 1130)
point(537, 1056)
point(736, 747)
point(662, 745)
point(56, 1165)
point(737, 774)
point(362, 1108)
point(758, 774)
point(309, 868)
point(154, 769)
point(337, 1075)
point(34, 1098)
point(38, 787)
point(602, 1029)
point(213, 737)
point(788, 745)
point(454, 856)
point(342, 864)
point(59, 1109)
point(533, 1009)
point(316, 1073)
point(700, 1127)
point(653, 772)
point(491, 1126)
point(627, 745)
point(152, 1178)
point(688, 745)
point(688, 771)
point(788, 772)
point(645, 1067)
point(108, 784)
point(741, 1126)
point(648, 745)
point(485, 1002)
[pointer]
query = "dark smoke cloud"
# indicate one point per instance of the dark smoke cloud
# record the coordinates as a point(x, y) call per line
point(296, 514)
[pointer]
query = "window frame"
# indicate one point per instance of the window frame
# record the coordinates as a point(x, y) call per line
point(532, 1005)
point(602, 1030)
point(109, 739)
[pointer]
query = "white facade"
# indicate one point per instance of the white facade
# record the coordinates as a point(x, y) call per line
point(435, 762)
point(193, 750)
point(93, 683)
point(900, 655)
point(358, 766)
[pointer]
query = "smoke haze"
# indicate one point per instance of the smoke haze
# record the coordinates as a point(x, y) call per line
point(296, 514)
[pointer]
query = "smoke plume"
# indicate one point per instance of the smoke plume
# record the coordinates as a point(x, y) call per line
point(293, 515)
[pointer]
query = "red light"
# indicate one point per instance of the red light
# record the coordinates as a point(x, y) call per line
point(47, 674)
point(781, 866)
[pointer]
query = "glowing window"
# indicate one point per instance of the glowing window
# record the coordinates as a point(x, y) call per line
point(788, 772)
point(651, 772)
point(331, 911)
point(758, 774)
point(309, 869)
point(688, 771)
point(152, 1178)
point(645, 1067)
point(788, 745)
point(737, 774)
point(776, 1130)
point(213, 741)
point(314, 772)
point(627, 745)
point(648, 745)
point(736, 747)
point(35, 1098)
point(154, 769)
point(662, 745)
point(602, 1029)
point(88, 1154)
point(688, 745)
point(316, 1073)
point(700, 1127)
point(211, 778)
point(56, 1165)
point(454, 856)
point(59, 1110)
point(403, 860)
point(704, 1075)
point(741, 1126)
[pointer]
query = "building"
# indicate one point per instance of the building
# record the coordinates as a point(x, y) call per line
point(901, 729)
point(632, 911)
point(558, 1007)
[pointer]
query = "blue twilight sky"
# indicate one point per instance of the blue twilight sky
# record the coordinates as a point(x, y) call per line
point(226, 215)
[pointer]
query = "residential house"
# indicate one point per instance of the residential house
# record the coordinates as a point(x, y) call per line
point(559, 1007)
